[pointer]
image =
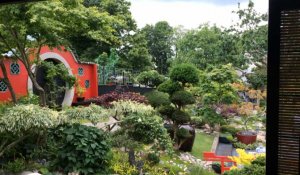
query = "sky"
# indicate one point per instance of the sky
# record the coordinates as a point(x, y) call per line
point(190, 13)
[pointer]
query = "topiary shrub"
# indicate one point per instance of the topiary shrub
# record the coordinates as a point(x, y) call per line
point(150, 78)
point(181, 117)
point(166, 111)
point(169, 87)
point(82, 149)
point(153, 158)
point(156, 98)
point(182, 98)
point(183, 133)
point(185, 73)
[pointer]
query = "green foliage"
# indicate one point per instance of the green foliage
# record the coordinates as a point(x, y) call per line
point(182, 98)
point(183, 133)
point(157, 99)
point(115, 21)
point(184, 73)
point(54, 72)
point(151, 78)
point(261, 161)
point(153, 158)
point(166, 111)
point(251, 169)
point(21, 119)
point(16, 166)
point(120, 165)
point(229, 129)
point(208, 45)
point(159, 41)
point(147, 129)
point(170, 87)
point(241, 145)
point(258, 79)
point(180, 117)
point(92, 113)
point(197, 170)
point(29, 99)
point(135, 54)
point(210, 116)
point(82, 149)
point(125, 108)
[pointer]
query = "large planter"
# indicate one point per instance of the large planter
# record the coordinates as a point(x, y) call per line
point(188, 144)
point(246, 137)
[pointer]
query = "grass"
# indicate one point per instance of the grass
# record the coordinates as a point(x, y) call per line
point(202, 143)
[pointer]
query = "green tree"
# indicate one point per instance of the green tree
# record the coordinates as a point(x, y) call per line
point(252, 30)
point(208, 45)
point(52, 23)
point(160, 41)
point(120, 24)
point(134, 53)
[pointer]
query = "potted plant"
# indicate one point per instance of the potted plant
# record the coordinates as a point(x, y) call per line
point(79, 92)
point(248, 113)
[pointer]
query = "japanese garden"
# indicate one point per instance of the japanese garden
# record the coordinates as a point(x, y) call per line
point(84, 90)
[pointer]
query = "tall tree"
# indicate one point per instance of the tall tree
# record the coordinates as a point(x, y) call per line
point(253, 31)
point(160, 41)
point(135, 54)
point(208, 45)
point(52, 23)
point(122, 25)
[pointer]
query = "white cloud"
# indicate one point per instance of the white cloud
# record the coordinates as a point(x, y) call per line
point(190, 14)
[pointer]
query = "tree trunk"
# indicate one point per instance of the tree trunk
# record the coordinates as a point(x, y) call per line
point(7, 82)
point(131, 157)
point(38, 87)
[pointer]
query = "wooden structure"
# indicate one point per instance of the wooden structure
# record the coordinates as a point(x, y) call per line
point(210, 156)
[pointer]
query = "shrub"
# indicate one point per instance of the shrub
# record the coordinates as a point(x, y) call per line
point(106, 99)
point(93, 113)
point(166, 111)
point(16, 166)
point(22, 121)
point(261, 161)
point(156, 98)
point(199, 170)
point(169, 87)
point(153, 158)
point(30, 99)
point(247, 170)
point(182, 98)
point(241, 145)
point(181, 117)
point(185, 73)
point(183, 133)
point(83, 149)
point(229, 129)
point(151, 78)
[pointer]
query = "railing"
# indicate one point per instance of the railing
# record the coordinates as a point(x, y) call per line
point(210, 156)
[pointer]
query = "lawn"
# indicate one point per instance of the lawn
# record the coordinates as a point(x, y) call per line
point(203, 142)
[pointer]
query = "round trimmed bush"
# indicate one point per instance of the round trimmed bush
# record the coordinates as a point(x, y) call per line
point(156, 98)
point(166, 110)
point(153, 158)
point(185, 73)
point(151, 78)
point(181, 117)
point(183, 133)
point(182, 98)
point(170, 87)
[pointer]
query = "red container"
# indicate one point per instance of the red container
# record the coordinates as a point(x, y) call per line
point(246, 137)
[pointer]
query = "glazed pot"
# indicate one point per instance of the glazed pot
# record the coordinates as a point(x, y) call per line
point(246, 137)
